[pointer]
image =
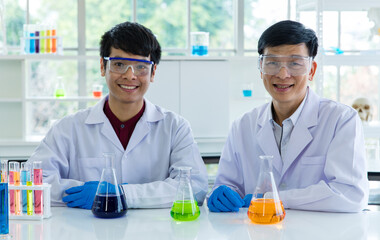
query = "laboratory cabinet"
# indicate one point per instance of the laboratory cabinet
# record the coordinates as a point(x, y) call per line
point(196, 88)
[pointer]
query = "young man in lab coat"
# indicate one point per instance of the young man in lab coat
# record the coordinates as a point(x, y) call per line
point(149, 142)
point(317, 144)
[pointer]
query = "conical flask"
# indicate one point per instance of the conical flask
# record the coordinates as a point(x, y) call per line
point(110, 200)
point(266, 206)
point(185, 207)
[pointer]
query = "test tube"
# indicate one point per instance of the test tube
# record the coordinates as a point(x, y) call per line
point(54, 40)
point(38, 194)
point(37, 35)
point(48, 40)
point(43, 39)
point(14, 195)
point(32, 44)
point(25, 178)
point(4, 171)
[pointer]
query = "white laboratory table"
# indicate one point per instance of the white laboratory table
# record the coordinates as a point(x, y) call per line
point(155, 224)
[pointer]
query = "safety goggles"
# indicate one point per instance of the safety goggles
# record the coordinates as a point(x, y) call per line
point(295, 65)
point(121, 65)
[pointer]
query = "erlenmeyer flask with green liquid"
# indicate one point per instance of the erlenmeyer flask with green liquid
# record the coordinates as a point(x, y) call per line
point(185, 207)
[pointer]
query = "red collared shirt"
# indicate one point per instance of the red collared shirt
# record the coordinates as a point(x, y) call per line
point(125, 129)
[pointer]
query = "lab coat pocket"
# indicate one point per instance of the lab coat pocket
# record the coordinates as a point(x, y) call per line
point(90, 169)
point(311, 170)
point(315, 160)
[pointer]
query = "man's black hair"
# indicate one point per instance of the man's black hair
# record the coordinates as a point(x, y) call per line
point(288, 33)
point(132, 38)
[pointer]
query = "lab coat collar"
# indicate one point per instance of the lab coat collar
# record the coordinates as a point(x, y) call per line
point(151, 114)
point(97, 115)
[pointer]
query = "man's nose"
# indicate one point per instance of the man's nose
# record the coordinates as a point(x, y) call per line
point(283, 73)
point(129, 72)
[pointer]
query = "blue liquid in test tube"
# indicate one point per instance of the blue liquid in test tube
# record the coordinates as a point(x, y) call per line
point(32, 43)
point(4, 212)
point(25, 177)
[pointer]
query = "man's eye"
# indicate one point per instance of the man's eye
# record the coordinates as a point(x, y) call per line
point(141, 67)
point(118, 64)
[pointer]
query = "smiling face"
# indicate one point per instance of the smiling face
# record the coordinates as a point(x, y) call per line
point(126, 89)
point(288, 91)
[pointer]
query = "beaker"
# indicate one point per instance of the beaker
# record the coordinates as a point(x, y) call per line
point(266, 206)
point(109, 200)
point(199, 43)
point(185, 207)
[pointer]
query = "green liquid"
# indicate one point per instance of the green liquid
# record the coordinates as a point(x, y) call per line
point(59, 93)
point(185, 210)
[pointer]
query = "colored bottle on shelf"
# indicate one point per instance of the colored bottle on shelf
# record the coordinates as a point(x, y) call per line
point(59, 88)
point(32, 41)
point(48, 40)
point(42, 38)
point(37, 41)
point(54, 40)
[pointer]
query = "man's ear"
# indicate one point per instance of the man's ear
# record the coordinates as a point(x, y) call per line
point(102, 68)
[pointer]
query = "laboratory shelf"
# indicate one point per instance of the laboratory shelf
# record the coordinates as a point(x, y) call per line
point(339, 5)
point(10, 100)
point(61, 99)
point(367, 58)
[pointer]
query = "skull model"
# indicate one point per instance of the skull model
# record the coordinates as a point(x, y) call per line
point(363, 106)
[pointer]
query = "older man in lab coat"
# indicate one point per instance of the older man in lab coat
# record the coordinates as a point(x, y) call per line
point(149, 142)
point(317, 144)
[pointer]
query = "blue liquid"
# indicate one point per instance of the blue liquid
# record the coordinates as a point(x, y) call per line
point(32, 45)
point(247, 93)
point(109, 206)
point(25, 177)
point(4, 213)
point(199, 50)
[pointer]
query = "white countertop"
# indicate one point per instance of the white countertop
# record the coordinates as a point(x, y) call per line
point(155, 224)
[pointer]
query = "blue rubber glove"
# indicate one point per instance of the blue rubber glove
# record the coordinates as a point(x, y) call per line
point(247, 200)
point(81, 196)
point(223, 199)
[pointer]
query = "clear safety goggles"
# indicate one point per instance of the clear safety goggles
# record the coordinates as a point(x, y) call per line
point(295, 65)
point(121, 65)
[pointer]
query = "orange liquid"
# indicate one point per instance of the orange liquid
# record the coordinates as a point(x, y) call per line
point(266, 211)
point(97, 94)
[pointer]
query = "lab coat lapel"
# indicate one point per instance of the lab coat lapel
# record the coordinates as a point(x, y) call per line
point(151, 114)
point(266, 141)
point(97, 116)
point(301, 136)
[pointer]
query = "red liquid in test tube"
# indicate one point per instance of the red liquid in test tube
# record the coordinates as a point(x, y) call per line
point(38, 194)
point(11, 193)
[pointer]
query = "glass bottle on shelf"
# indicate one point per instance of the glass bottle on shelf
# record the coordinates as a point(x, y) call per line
point(59, 88)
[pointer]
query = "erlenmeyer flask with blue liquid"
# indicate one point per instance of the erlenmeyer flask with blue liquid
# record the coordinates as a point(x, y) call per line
point(110, 199)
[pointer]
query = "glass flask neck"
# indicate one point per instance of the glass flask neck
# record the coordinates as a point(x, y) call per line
point(266, 164)
point(109, 157)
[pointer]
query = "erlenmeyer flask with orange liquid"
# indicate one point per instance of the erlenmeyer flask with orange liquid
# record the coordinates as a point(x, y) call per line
point(266, 206)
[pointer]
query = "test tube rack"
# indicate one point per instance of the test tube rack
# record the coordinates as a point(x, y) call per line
point(46, 204)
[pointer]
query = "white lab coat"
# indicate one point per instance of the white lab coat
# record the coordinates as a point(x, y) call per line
point(324, 168)
point(161, 142)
